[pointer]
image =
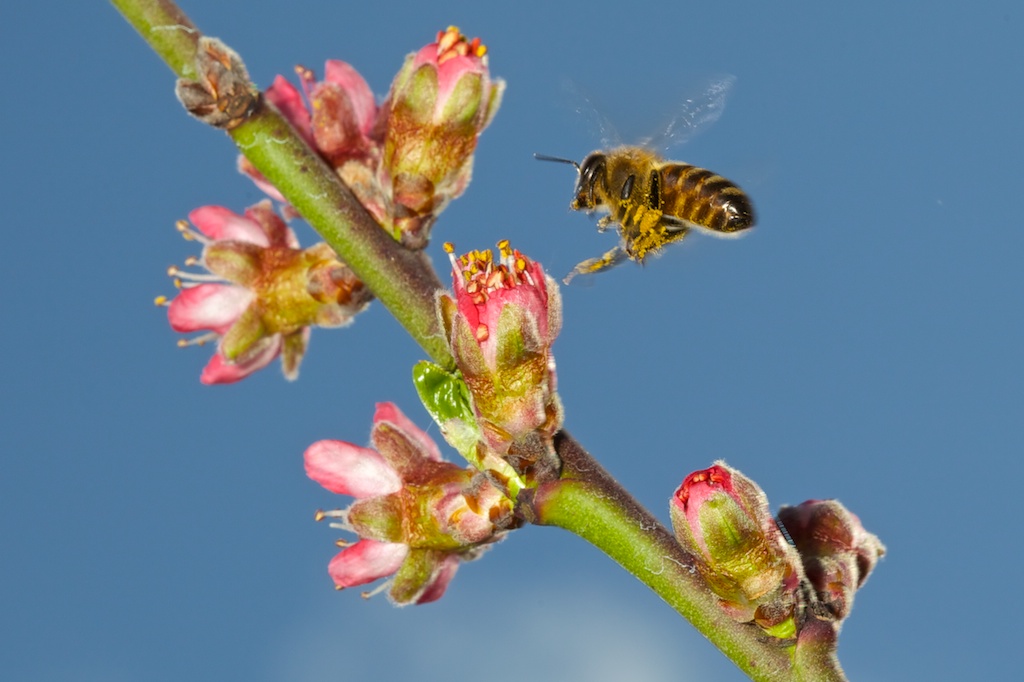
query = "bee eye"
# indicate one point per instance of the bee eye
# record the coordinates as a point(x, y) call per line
point(627, 187)
point(654, 192)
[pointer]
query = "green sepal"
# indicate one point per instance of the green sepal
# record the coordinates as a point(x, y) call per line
point(413, 576)
point(420, 94)
point(293, 347)
point(785, 630)
point(463, 102)
point(246, 336)
point(237, 262)
point(378, 518)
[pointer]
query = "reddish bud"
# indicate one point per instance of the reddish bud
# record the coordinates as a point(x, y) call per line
point(723, 518)
point(838, 554)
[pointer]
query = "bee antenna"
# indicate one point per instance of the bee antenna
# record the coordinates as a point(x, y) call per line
point(545, 157)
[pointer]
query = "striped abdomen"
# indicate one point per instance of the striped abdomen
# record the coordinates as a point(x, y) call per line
point(699, 197)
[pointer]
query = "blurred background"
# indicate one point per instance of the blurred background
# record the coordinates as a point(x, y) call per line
point(862, 343)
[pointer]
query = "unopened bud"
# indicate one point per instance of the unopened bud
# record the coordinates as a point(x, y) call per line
point(723, 518)
point(838, 554)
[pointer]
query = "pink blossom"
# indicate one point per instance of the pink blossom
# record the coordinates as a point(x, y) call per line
point(261, 292)
point(337, 122)
point(500, 326)
point(438, 105)
point(348, 469)
point(484, 287)
point(417, 516)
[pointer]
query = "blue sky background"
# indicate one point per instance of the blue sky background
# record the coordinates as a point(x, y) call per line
point(862, 343)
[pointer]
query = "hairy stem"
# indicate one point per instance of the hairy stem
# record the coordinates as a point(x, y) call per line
point(402, 280)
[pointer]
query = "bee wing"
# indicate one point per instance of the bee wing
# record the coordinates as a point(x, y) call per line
point(586, 110)
point(695, 114)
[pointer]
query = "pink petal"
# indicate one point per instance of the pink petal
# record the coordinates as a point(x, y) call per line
point(276, 230)
point(348, 469)
point(219, 223)
point(439, 582)
point(220, 371)
point(208, 306)
point(366, 561)
point(389, 412)
point(449, 73)
point(288, 100)
point(364, 104)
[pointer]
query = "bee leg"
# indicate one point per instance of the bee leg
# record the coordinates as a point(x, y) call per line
point(592, 265)
point(673, 225)
point(603, 223)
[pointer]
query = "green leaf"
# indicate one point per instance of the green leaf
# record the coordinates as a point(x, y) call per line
point(443, 393)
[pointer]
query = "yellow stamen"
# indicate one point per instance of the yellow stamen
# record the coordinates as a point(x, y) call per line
point(198, 340)
point(446, 40)
point(377, 590)
point(182, 227)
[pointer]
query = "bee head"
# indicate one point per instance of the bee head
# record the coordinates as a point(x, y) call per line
point(592, 172)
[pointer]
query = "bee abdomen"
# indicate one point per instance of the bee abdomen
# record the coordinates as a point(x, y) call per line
point(698, 196)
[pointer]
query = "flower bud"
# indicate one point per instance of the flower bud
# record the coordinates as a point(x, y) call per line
point(500, 327)
point(440, 101)
point(221, 94)
point(722, 517)
point(838, 554)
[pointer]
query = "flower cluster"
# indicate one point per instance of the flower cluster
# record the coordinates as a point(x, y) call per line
point(417, 516)
point(261, 293)
point(722, 517)
point(408, 158)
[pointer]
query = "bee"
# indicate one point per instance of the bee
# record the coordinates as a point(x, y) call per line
point(655, 202)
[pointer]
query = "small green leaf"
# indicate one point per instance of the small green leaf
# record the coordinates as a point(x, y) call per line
point(446, 398)
point(443, 393)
